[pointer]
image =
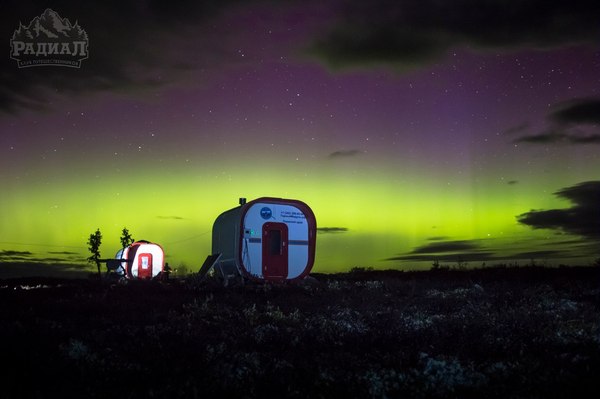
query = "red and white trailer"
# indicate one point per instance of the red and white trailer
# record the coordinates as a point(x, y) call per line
point(141, 260)
point(270, 239)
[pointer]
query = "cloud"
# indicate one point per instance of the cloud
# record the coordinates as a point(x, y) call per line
point(332, 229)
point(445, 246)
point(448, 251)
point(566, 124)
point(30, 257)
point(590, 139)
point(540, 255)
point(345, 154)
point(554, 137)
point(459, 251)
point(578, 111)
point(582, 218)
point(15, 256)
point(482, 256)
point(133, 47)
point(33, 269)
point(413, 32)
point(550, 137)
point(486, 256)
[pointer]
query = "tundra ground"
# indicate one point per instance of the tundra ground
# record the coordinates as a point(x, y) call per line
point(496, 333)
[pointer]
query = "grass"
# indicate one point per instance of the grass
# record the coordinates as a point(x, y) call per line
point(527, 332)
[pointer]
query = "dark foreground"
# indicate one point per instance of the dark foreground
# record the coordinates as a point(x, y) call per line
point(496, 333)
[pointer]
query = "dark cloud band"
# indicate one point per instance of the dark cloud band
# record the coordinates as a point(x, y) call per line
point(345, 154)
point(579, 111)
point(332, 229)
point(582, 218)
point(567, 123)
point(413, 32)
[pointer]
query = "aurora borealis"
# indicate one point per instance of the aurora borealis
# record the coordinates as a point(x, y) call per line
point(416, 130)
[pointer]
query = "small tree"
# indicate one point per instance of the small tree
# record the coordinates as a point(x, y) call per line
point(94, 246)
point(126, 238)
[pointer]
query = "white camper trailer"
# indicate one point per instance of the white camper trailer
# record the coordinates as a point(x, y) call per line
point(141, 260)
point(269, 239)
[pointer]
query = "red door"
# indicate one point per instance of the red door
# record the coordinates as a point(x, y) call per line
point(145, 265)
point(275, 250)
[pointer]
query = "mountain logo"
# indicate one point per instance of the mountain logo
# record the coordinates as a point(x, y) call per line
point(49, 40)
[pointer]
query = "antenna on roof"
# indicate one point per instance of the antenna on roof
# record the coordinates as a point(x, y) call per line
point(242, 201)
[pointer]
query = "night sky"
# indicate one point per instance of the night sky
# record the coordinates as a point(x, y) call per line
point(457, 131)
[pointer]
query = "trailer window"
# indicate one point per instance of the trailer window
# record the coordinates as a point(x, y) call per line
point(274, 242)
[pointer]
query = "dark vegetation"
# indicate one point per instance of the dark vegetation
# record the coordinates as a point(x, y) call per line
point(526, 332)
point(94, 242)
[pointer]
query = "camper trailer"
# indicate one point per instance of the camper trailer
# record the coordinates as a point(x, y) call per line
point(141, 260)
point(267, 239)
